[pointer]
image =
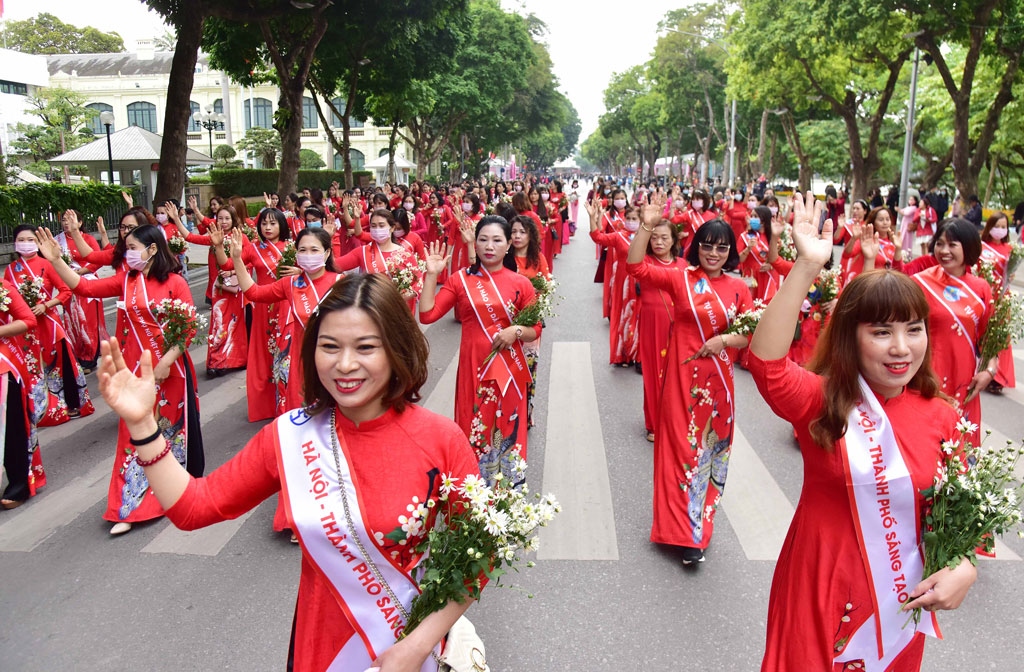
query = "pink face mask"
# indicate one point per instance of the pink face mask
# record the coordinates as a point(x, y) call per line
point(998, 234)
point(161, 217)
point(311, 263)
point(380, 234)
point(408, 206)
point(467, 207)
point(26, 248)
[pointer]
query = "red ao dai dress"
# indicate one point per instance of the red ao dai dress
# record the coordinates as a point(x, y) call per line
point(266, 363)
point(129, 498)
point(958, 319)
point(623, 342)
point(84, 320)
point(692, 443)
point(19, 442)
point(820, 593)
point(491, 396)
point(60, 386)
point(228, 344)
point(654, 329)
point(766, 282)
point(371, 259)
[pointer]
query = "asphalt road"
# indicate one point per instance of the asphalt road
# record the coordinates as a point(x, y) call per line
point(601, 598)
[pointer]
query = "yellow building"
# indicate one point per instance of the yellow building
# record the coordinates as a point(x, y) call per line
point(133, 86)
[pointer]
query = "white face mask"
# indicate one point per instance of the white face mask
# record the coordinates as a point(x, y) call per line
point(467, 207)
point(697, 204)
point(545, 197)
point(380, 234)
point(999, 233)
point(737, 197)
point(680, 203)
point(632, 225)
point(774, 210)
point(310, 263)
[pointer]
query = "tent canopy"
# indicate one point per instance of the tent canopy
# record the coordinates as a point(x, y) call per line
point(132, 145)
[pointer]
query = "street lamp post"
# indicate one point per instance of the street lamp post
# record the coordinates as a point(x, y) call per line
point(908, 141)
point(107, 119)
point(209, 120)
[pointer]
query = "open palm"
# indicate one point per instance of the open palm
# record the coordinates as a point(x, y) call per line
point(131, 397)
point(811, 245)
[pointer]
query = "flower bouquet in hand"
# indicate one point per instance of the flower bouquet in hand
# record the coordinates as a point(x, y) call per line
point(542, 306)
point(478, 530)
point(180, 322)
point(32, 290)
point(435, 216)
point(406, 273)
point(250, 233)
point(177, 245)
point(745, 323)
point(975, 495)
point(787, 248)
point(287, 257)
point(1013, 261)
point(5, 300)
point(1006, 321)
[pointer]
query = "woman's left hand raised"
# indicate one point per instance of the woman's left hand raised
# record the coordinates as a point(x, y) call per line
point(131, 397)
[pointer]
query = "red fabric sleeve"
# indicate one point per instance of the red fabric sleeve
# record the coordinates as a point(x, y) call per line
point(920, 264)
point(347, 262)
point(63, 291)
point(104, 257)
point(101, 288)
point(782, 266)
point(661, 278)
point(443, 302)
point(235, 487)
point(275, 291)
point(792, 392)
point(198, 239)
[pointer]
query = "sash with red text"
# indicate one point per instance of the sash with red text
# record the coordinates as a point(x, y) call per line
point(509, 366)
point(883, 501)
point(56, 328)
point(311, 491)
point(269, 256)
point(305, 299)
point(142, 324)
point(712, 318)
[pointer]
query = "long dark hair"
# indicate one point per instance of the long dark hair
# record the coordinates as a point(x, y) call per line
point(405, 345)
point(874, 296)
point(164, 263)
point(284, 232)
point(506, 261)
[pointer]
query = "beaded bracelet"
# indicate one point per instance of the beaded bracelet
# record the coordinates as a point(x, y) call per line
point(160, 456)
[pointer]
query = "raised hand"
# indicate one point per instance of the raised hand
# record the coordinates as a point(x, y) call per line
point(217, 235)
point(49, 248)
point(467, 230)
point(267, 200)
point(128, 199)
point(869, 246)
point(131, 397)
point(659, 198)
point(650, 214)
point(172, 212)
point(236, 243)
point(193, 203)
point(811, 245)
point(437, 258)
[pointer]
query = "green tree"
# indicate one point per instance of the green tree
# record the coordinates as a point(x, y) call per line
point(264, 143)
point(187, 18)
point(46, 34)
point(988, 30)
point(310, 160)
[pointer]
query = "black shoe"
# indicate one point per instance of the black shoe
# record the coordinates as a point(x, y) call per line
point(692, 555)
point(639, 368)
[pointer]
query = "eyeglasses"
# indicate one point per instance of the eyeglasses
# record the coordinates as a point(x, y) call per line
point(711, 247)
point(129, 227)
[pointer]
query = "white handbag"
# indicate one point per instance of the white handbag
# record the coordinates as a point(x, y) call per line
point(464, 651)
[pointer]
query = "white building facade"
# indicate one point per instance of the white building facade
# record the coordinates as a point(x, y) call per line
point(21, 76)
point(133, 86)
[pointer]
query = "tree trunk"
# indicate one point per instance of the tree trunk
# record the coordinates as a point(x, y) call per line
point(761, 143)
point(991, 177)
point(291, 135)
point(392, 173)
point(170, 177)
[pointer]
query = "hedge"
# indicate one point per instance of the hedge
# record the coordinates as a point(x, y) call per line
point(255, 181)
point(39, 203)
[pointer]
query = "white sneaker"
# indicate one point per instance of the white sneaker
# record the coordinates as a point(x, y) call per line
point(120, 528)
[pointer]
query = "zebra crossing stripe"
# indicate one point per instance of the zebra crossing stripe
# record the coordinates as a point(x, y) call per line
point(575, 463)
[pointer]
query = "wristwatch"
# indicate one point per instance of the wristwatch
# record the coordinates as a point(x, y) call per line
point(519, 333)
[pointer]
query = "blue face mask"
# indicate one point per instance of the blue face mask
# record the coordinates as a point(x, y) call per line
point(755, 224)
point(315, 224)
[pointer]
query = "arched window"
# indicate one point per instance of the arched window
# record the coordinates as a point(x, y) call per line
point(264, 114)
point(357, 158)
point(94, 122)
point(218, 106)
point(143, 115)
point(383, 152)
point(193, 125)
point(336, 120)
point(309, 118)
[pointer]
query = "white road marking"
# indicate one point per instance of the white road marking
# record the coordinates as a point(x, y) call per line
point(575, 464)
point(757, 508)
point(208, 541)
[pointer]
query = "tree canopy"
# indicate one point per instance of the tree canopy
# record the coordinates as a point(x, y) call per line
point(46, 34)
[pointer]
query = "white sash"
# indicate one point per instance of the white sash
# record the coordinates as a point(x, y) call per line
point(884, 508)
point(978, 308)
point(312, 496)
